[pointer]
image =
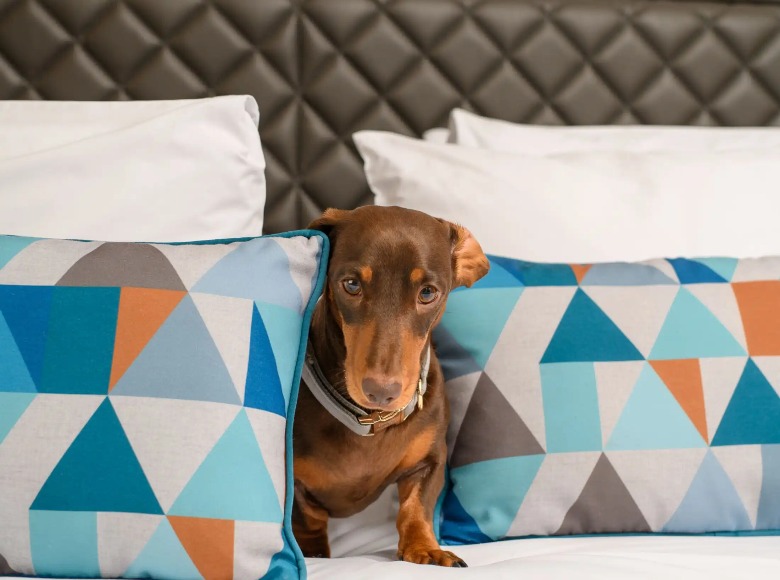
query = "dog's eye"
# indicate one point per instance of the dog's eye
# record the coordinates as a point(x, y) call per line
point(428, 294)
point(351, 286)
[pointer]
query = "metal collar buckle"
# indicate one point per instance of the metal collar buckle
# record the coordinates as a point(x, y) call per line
point(377, 417)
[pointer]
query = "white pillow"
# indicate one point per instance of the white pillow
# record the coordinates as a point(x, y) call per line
point(586, 207)
point(159, 171)
point(436, 135)
point(471, 130)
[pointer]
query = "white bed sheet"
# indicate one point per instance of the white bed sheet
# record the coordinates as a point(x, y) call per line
point(598, 558)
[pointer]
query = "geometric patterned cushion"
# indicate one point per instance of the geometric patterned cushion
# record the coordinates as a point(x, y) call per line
point(145, 392)
point(613, 398)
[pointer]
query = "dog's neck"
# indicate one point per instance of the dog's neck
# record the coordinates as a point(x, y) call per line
point(327, 340)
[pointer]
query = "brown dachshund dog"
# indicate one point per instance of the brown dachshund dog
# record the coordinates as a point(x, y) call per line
point(390, 272)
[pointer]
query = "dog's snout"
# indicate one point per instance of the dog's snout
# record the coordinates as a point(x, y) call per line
point(381, 391)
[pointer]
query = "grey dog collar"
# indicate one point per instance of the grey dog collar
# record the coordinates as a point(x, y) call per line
point(349, 414)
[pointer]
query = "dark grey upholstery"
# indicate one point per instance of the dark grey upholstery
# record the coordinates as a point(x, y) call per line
point(322, 69)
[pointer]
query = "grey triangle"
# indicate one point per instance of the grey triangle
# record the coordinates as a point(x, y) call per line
point(604, 506)
point(124, 265)
point(5, 568)
point(491, 429)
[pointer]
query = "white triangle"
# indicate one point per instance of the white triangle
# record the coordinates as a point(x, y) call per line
point(229, 322)
point(719, 378)
point(121, 537)
point(638, 311)
point(171, 438)
point(614, 382)
point(269, 430)
point(754, 269)
point(44, 432)
point(515, 358)
point(720, 300)
point(459, 393)
point(557, 485)
point(191, 262)
point(26, 267)
point(657, 479)
point(255, 544)
point(742, 464)
point(770, 368)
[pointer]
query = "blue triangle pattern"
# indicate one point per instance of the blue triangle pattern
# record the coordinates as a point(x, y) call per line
point(710, 504)
point(233, 482)
point(26, 310)
point(653, 419)
point(478, 335)
point(694, 272)
point(586, 334)
point(180, 361)
point(64, 544)
point(99, 472)
point(723, 267)
point(163, 557)
point(12, 407)
point(471, 483)
point(753, 414)
point(263, 389)
point(623, 274)
point(10, 246)
point(268, 280)
point(497, 277)
point(459, 527)
point(284, 332)
point(692, 331)
point(769, 501)
point(536, 274)
point(14, 376)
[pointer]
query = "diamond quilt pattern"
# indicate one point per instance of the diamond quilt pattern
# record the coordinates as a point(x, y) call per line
point(321, 70)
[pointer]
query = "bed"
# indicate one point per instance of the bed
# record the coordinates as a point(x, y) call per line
point(321, 70)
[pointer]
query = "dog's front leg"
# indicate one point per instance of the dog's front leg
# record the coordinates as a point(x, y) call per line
point(310, 525)
point(417, 493)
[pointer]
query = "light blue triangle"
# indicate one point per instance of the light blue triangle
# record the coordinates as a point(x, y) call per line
point(723, 267)
point(10, 246)
point(473, 483)
point(163, 557)
point(653, 419)
point(258, 269)
point(233, 482)
point(692, 331)
point(769, 502)
point(64, 544)
point(180, 361)
point(12, 405)
point(14, 376)
point(284, 333)
point(476, 319)
point(711, 503)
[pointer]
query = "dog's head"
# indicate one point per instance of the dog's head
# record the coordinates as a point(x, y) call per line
point(391, 270)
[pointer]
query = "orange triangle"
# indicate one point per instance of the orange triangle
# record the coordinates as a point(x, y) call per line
point(580, 270)
point(209, 544)
point(141, 313)
point(683, 379)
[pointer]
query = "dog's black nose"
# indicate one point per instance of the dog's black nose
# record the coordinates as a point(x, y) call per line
point(380, 392)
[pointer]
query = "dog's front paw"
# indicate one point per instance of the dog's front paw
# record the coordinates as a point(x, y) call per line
point(433, 556)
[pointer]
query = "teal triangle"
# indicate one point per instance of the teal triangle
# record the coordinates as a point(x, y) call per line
point(263, 389)
point(653, 419)
point(586, 334)
point(10, 246)
point(163, 557)
point(497, 277)
point(284, 334)
point(14, 376)
point(692, 331)
point(12, 405)
point(474, 482)
point(180, 361)
point(753, 414)
point(99, 472)
point(233, 482)
point(723, 267)
point(479, 334)
point(710, 504)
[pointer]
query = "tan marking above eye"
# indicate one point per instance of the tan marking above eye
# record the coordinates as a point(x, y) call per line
point(417, 275)
point(366, 273)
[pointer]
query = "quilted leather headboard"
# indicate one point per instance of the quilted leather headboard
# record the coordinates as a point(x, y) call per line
point(322, 69)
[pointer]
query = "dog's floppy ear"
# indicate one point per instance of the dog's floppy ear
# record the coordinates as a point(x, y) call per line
point(330, 218)
point(469, 262)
